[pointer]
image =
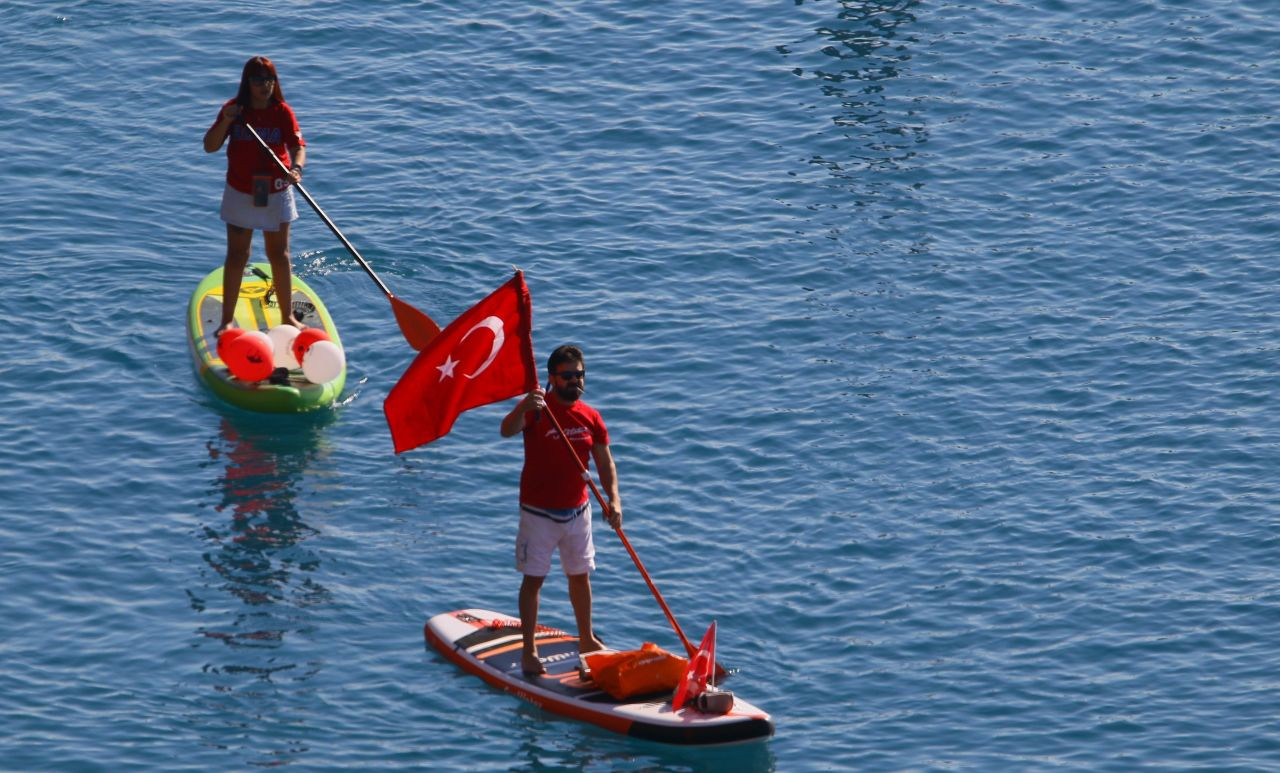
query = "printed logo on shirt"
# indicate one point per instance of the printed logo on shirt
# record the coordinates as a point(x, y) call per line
point(272, 135)
point(572, 432)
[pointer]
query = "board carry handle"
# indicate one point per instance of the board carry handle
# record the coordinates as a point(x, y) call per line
point(271, 284)
point(417, 328)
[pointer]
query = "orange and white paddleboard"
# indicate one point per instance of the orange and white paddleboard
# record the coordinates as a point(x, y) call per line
point(488, 644)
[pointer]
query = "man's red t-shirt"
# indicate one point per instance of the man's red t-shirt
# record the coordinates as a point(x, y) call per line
point(550, 478)
point(277, 127)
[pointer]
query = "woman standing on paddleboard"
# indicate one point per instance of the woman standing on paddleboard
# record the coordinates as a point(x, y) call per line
point(258, 195)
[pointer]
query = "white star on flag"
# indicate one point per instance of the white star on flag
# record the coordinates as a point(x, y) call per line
point(448, 375)
point(446, 370)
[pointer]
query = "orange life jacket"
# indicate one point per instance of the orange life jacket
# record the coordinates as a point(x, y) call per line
point(649, 669)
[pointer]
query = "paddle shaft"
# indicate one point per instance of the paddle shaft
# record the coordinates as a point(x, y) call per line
point(626, 543)
point(350, 248)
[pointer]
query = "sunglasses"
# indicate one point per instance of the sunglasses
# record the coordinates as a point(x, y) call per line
point(261, 80)
point(571, 374)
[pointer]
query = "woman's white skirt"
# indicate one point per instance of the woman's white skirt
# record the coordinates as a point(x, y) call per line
point(238, 209)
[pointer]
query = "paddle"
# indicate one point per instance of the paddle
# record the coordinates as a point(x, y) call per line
point(626, 543)
point(418, 329)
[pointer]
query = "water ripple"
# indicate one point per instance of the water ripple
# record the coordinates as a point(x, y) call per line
point(934, 341)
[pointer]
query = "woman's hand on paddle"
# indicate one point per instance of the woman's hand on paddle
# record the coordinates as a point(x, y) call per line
point(217, 134)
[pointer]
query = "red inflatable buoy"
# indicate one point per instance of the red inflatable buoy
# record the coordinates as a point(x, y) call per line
point(225, 339)
point(249, 357)
point(304, 340)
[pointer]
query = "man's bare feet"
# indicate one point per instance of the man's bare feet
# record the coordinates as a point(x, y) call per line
point(590, 645)
point(531, 665)
point(224, 327)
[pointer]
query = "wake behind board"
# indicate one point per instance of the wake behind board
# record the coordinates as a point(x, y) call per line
point(488, 645)
point(257, 309)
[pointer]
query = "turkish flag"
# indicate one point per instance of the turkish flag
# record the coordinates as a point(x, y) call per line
point(483, 356)
point(699, 670)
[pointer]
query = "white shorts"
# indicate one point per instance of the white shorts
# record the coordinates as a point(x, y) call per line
point(539, 537)
point(238, 209)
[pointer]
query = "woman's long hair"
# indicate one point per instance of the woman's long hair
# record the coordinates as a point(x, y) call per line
point(257, 67)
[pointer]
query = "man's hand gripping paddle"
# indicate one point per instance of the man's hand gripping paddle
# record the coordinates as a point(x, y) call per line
point(418, 329)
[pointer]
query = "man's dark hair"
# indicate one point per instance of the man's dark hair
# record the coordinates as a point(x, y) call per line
point(563, 354)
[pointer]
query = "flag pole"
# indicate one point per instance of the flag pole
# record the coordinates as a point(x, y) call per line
point(625, 542)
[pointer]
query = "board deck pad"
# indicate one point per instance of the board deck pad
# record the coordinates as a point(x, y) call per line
point(488, 644)
point(257, 309)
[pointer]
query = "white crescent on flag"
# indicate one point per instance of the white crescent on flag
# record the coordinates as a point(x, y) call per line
point(431, 394)
point(494, 325)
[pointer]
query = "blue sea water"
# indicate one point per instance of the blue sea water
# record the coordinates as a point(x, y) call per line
point(937, 343)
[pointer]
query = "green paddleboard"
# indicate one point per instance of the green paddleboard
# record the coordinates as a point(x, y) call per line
point(257, 309)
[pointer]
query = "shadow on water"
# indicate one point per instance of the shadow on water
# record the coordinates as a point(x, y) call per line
point(258, 582)
point(853, 60)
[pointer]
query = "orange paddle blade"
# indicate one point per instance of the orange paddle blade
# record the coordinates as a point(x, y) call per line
point(418, 328)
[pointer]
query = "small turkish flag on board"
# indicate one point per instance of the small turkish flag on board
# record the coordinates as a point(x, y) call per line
point(699, 670)
point(483, 356)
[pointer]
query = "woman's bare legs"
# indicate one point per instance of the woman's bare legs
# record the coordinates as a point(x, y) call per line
point(239, 240)
point(282, 272)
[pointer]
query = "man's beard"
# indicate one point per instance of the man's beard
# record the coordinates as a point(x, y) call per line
point(571, 392)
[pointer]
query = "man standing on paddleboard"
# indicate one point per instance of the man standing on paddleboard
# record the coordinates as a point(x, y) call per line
point(555, 511)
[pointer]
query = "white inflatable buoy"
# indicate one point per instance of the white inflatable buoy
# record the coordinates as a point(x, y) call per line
point(305, 339)
point(323, 362)
point(282, 343)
